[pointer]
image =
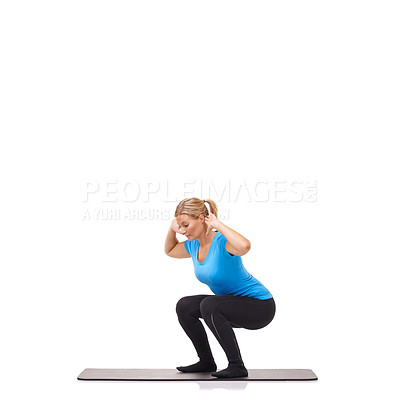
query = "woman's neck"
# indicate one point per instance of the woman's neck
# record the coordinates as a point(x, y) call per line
point(206, 240)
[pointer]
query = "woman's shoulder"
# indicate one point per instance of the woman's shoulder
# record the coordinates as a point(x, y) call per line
point(220, 239)
point(222, 242)
point(219, 236)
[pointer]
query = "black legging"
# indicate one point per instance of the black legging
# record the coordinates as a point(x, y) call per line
point(221, 314)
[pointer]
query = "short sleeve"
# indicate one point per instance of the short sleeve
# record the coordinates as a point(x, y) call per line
point(188, 246)
point(222, 243)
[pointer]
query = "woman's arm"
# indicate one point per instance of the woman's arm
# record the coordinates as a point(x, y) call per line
point(236, 243)
point(173, 247)
point(171, 241)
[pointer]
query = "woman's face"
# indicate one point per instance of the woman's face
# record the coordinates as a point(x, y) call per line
point(190, 227)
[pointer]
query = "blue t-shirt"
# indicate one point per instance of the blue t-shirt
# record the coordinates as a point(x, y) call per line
point(224, 273)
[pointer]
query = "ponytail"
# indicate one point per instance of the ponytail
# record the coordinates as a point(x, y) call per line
point(194, 207)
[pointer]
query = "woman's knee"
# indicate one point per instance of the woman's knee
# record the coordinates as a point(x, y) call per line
point(182, 306)
point(207, 306)
point(188, 304)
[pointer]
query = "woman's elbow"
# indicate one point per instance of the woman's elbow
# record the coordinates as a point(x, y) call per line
point(245, 249)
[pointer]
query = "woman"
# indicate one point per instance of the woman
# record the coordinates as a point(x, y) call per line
point(240, 300)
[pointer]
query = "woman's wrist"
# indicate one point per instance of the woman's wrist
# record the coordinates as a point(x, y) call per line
point(218, 224)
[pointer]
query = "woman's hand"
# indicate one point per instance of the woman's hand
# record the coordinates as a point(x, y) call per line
point(212, 222)
point(175, 226)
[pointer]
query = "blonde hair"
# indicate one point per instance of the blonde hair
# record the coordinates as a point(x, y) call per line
point(194, 207)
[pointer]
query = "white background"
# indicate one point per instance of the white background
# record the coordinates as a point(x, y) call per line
point(215, 93)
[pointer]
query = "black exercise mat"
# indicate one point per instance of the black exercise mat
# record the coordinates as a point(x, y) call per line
point(95, 374)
